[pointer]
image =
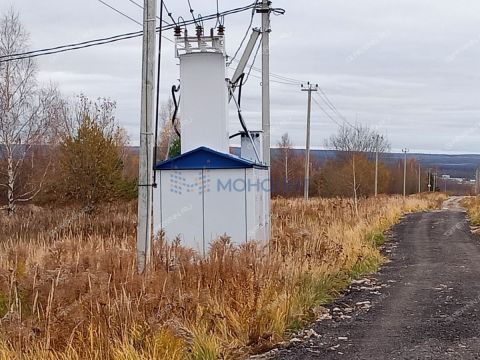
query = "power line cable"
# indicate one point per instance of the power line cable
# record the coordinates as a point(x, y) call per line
point(280, 77)
point(274, 81)
point(332, 106)
point(246, 33)
point(192, 12)
point(130, 18)
point(325, 112)
point(141, 7)
point(218, 17)
point(119, 12)
point(157, 98)
point(111, 39)
point(170, 15)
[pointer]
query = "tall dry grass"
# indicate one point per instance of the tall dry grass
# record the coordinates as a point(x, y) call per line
point(69, 287)
point(472, 205)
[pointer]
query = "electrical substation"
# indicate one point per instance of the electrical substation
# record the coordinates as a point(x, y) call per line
point(206, 192)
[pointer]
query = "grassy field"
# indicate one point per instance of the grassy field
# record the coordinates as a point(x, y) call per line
point(69, 288)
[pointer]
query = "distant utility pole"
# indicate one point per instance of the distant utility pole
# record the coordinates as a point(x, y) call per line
point(265, 11)
point(145, 190)
point(377, 144)
point(429, 180)
point(405, 151)
point(419, 178)
point(477, 179)
point(435, 181)
point(310, 88)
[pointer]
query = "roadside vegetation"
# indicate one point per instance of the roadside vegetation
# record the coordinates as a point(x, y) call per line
point(69, 287)
point(472, 204)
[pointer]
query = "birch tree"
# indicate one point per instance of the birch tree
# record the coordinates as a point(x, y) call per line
point(27, 114)
point(285, 145)
point(353, 143)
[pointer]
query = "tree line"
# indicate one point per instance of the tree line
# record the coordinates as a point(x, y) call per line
point(349, 171)
point(54, 150)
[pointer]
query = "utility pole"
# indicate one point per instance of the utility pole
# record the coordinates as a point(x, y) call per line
point(377, 139)
point(310, 88)
point(405, 173)
point(419, 178)
point(429, 180)
point(477, 179)
point(265, 11)
point(435, 181)
point(145, 176)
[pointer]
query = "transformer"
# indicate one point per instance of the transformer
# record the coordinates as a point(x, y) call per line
point(206, 193)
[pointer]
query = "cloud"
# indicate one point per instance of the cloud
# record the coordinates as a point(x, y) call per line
point(406, 67)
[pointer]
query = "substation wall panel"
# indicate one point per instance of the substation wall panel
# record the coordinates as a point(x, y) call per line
point(181, 207)
point(225, 205)
point(251, 194)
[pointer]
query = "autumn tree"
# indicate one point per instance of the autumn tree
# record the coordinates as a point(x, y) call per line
point(28, 117)
point(91, 155)
point(354, 145)
point(168, 142)
point(285, 145)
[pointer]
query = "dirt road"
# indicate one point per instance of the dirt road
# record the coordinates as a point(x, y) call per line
point(424, 304)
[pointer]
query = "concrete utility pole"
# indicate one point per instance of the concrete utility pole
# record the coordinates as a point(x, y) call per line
point(265, 11)
point(435, 182)
point(377, 139)
point(429, 180)
point(310, 88)
point(145, 175)
point(405, 173)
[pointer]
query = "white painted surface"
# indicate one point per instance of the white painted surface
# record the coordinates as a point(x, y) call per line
point(201, 205)
point(225, 207)
point(247, 149)
point(203, 105)
point(182, 207)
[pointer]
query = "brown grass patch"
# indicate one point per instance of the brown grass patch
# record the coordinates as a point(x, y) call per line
point(69, 287)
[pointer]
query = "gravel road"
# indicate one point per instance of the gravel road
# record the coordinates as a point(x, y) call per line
point(424, 304)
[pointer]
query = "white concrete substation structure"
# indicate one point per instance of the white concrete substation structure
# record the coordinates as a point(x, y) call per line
point(206, 192)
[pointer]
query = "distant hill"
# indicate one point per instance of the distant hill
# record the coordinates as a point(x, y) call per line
point(459, 166)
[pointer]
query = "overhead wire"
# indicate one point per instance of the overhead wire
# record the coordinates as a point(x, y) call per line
point(245, 35)
point(111, 39)
point(192, 12)
point(218, 17)
point(170, 15)
point(141, 7)
point(332, 106)
point(284, 80)
point(119, 12)
point(325, 112)
point(129, 17)
point(157, 98)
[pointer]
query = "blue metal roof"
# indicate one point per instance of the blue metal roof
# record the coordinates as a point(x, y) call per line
point(205, 158)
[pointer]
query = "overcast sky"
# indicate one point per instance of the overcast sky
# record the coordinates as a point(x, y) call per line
point(409, 68)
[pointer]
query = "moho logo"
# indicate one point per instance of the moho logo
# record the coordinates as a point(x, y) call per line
point(179, 184)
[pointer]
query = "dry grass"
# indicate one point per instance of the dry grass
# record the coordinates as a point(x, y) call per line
point(69, 289)
point(472, 204)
